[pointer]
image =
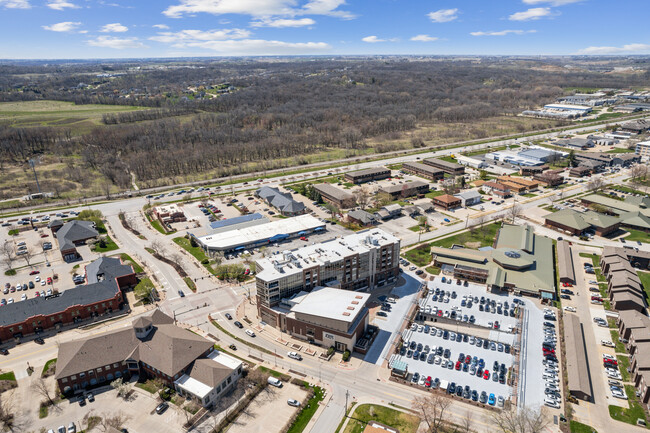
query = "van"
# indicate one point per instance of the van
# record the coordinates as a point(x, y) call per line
point(391, 300)
point(250, 333)
point(274, 382)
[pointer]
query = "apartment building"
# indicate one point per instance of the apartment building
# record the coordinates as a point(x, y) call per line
point(448, 167)
point(363, 260)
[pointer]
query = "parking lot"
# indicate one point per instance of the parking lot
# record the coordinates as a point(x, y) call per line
point(448, 352)
point(469, 304)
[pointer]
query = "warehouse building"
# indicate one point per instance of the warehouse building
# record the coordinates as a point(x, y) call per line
point(446, 166)
point(336, 196)
point(576, 358)
point(361, 261)
point(469, 198)
point(569, 108)
point(423, 170)
point(237, 240)
point(471, 162)
point(368, 175)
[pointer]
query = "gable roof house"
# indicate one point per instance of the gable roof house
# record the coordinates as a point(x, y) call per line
point(71, 234)
point(152, 347)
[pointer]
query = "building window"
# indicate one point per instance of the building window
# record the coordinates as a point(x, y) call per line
point(82, 375)
point(90, 372)
point(64, 380)
point(73, 377)
point(116, 365)
point(108, 367)
point(229, 380)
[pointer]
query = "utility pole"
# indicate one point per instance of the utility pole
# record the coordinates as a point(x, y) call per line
point(347, 393)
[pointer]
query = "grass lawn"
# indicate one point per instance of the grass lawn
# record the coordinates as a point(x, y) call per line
point(631, 414)
point(190, 283)
point(274, 373)
point(143, 288)
point(51, 364)
point(307, 411)
point(432, 194)
point(9, 375)
point(637, 235)
point(623, 364)
point(620, 150)
point(484, 236)
point(645, 280)
point(110, 245)
point(404, 422)
point(420, 255)
point(136, 267)
point(197, 252)
point(43, 411)
point(530, 194)
point(448, 159)
point(595, 259)
point(620, 347)
point(578, 427)
point(149, 386)
point(433, 270)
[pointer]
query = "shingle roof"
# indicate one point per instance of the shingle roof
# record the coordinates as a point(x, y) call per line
point(280, 200)
point(75, 231)
point(577, 368)
point(363, 216)
point(209, 372)
point(166, 348)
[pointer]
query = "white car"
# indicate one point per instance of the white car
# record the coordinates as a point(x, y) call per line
point(614, 375)
point(606, 356)
point(250, 333)
point(294, 355)
point(42, 282)
point(571, 309)
point(618, 394)
point(551, 403)
point(22, 298)
point(607, 343)
point(37, 279)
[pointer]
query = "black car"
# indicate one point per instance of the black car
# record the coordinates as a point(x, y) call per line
point(466, 337)
point(181, 294)
point(447, 353)
point(82, 400)
point(565, 297)
point(465, 368)
point(382, 314)
point(459, 391)
point(228, 316)
point(423, 356)
point(461, 357)
point(507, 348)
point(474, 395)
point(39, 340)
point(451, 389)
point(238, 324)
point(413, 345)
point(485, 344)
point(4, 351)
point(480, 307)
point(233, 347)
point(402, 351)
point(445, 335)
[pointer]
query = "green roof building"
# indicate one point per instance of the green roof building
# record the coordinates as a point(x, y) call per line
point(520, 261)
point(576, 223)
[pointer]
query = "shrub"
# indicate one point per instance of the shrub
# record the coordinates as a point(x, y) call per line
point(10, 272)
point(205, 261)
point(330, 351)
point(346, 355)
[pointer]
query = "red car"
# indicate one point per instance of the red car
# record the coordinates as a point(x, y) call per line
point(439, 313)
point(427, 382)
point(49, 280)
point(303, 238)
point(610, 361)
point(486, 374)
point(468, 359)
point(44, 235)
point(457, 365)
point(247, 272)
point(34, 272)
point(548, 350)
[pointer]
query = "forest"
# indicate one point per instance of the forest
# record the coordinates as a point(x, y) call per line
point(278, 112)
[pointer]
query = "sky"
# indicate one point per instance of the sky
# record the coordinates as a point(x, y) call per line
point(81, 29)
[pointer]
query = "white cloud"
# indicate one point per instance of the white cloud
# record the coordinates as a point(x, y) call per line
point(252, 47)
point(115, 42)
point(372, 39)
point(185, 38)
point(551, 2)
point(424, 38)
point(531, 14)
point(628, 48)
point(15, 4)
point(257, 8)
point(114, 28)
point(59, 5)
point(283, 22)
point(161, 26)
point(66, 26)
point(503, 33)
point(443, 15)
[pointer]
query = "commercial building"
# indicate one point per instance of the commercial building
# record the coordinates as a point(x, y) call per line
point(520, 261)
point(282, 201)
point(406, 189)
point(72, 234)
point(580, 171)
point(530, 157)
point(389, 211)
point(361, 261)
point(576, 358)
point(575, 143)
point(362, 218)
point(325, 316)
point(579, 109)
point(446, 166)
point(634, 212)
point(106, 278)
point(336, 196)
point(368, 175)
point(469, 198)
point(496, 188)
point(635, 126)
point(169, 213)
point(577, 223)
point(643, 150)
point(548, 178)
point(447, 201)
point(565, 270)
point(532, 170)
point(471, 162)
point(153, 347)
point(233, 240)
point(423, 170)
point(527, 185)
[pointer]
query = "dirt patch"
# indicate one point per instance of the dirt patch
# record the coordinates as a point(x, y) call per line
point(474, 245)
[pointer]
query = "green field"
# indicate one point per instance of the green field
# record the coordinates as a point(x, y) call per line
point(79, 119)
point(630, 415)
point(483, 237)
point(404, 422)
point(637, 235)
point(578, 427)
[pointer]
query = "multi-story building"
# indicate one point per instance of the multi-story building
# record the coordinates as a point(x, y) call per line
point(336, 196)
point(423, 170)
point(370, 174)
point(448, 167)
point(169, 213)
point(406, 189)
point(360, 261)
point(643, 150)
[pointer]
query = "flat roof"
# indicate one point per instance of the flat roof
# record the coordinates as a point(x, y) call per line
point(391, 189)
point(331, 303)
point(368, 171)
point(329, 189)
point(236, 220)
point(443, 163)
point(422, 167)
point(292, 262)
point(250, 235)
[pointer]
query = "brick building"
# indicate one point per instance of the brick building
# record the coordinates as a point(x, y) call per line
point(338, 197)
point(370, 174)
point(423, 170)
point(105, 277)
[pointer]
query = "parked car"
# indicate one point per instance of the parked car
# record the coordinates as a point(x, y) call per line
point(162, 407)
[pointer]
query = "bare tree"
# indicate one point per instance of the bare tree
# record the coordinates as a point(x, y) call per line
point(525, 420)
point(7, 411)
point(157, 246)
point(334, 210)
point(639, 172)
point(595, 183)
point(28, 255)
point(432, 409)
point(362, 197)
point(176, 258)
point(42, 388)
point(466, 423)
point(383, 198)
point(8, 254)
point(115, 421)
point(514, 212)
point(123, 389)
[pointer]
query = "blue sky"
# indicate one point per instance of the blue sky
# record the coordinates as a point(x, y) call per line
point(63, 29)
